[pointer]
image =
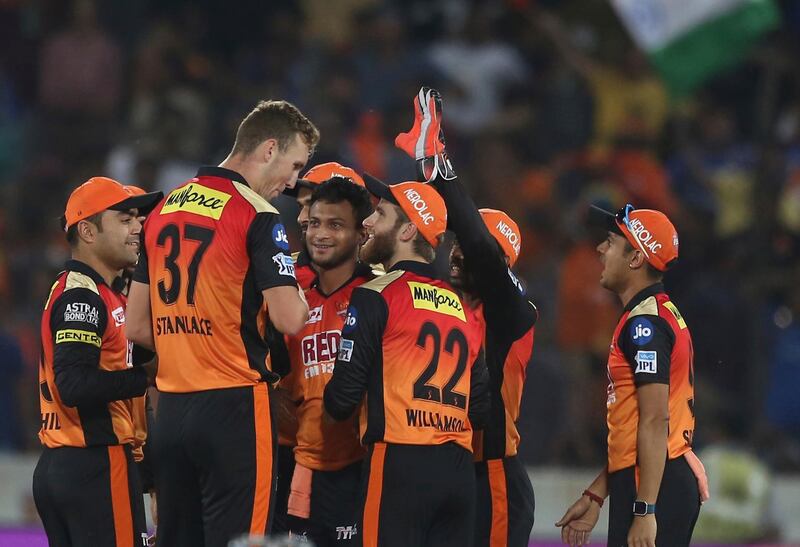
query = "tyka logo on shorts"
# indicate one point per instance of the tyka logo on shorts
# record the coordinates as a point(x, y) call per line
point(346, 532)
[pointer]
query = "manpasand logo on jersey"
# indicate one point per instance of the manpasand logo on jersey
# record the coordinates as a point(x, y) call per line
point(197, 199)
point(436, 299)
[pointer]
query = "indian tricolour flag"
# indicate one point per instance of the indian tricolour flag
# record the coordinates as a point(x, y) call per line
point(688, 41)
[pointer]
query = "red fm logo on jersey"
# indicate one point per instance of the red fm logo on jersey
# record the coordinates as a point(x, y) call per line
point(319, 352)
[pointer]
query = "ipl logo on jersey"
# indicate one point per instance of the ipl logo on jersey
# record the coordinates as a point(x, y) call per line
point(285, 264)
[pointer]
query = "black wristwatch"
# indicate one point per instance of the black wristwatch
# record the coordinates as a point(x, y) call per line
point(642, 508)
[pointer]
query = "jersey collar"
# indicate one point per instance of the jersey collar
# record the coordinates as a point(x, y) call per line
point(652, 290)
point(81, 267)
point(221, 172)
point(420, 268)
point(361, 270)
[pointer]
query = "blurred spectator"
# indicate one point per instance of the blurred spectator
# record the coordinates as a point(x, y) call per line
point(714, 171)
point(479, 68)
point(80, 67)
point(629, 100)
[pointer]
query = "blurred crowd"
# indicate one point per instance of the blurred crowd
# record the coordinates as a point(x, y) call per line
point(548, 107)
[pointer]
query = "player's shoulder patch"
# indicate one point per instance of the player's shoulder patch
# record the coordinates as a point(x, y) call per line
point(675, 313)
point(377, 270)
point(77, 280)
point(253, 198)
point(381, 282)
point(648, 306)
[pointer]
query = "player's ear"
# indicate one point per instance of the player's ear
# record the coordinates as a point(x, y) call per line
point(638, 260)
point(408, 232)
point(268, 149)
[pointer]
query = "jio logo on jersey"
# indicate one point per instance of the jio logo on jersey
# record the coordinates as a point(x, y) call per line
point(351, 319)
point(279, 237)
point(641, 331)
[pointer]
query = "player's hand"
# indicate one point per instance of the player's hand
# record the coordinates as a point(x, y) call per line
point(643, 531)
point(578, 522)
point(424, 142)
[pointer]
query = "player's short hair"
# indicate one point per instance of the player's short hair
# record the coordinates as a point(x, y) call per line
point(652, 272)
point(419, 243)
point(279, 120)
point(72, 231)
point(338, 189)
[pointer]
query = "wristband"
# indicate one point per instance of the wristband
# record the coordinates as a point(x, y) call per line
point(594, 497)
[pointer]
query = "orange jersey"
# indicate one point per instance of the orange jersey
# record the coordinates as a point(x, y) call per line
point(507, 362)
point(85, 378)
point(412, 353)
point(651, 344)
point(210, 248)
point(321, 444)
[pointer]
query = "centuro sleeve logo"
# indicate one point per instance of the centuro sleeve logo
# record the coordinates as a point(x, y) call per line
point(436, 299)
point(81, 336)
point(197, 199)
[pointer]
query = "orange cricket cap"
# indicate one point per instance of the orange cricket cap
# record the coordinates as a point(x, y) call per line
point(322, 172)
point(101, 193)
point(505, 231)
point(423, 205)
point(647, 230)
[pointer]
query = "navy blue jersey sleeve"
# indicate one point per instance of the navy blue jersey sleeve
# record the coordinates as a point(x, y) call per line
point(78, 321)
point(647, 342)
point(506, 309)
point(268, 248)
point(479, 398)
point(360, 350)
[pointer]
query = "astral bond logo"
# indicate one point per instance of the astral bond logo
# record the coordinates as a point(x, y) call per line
point(436, 299)
point(197, 199)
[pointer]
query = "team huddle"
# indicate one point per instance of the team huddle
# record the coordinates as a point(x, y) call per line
point(346, 393)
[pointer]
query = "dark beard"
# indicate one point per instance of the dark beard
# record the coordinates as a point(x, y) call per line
point(335, 260)
point(380, 249)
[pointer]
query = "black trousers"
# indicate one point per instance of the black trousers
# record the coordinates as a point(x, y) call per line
point(417, 495)
point(677, 506)
point(215, 458)
point(504, 503)
point(334, 507)
point(283, 479)
point(88, 497)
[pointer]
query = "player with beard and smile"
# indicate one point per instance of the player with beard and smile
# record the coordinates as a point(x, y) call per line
point(410, 356)
point(488, 245)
